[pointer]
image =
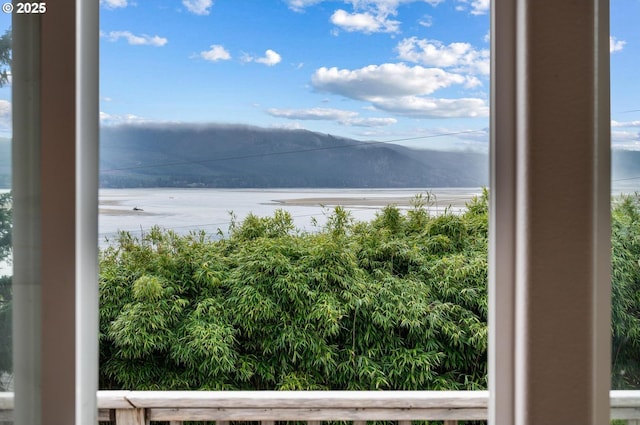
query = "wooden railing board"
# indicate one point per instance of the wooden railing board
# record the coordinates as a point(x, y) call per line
point(373, 414)
point(620, 398)
point(625, 412)
point(114, 399)
point(308, 399)
point(106, 415)
point(139, 407)
point(130, 417)
point(6, 401)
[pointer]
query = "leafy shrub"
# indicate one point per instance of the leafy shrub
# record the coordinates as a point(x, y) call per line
point(625, 319)
point(399, 302)
point(395, 303)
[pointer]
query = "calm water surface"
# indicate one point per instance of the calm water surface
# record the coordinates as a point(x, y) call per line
point(184, 210)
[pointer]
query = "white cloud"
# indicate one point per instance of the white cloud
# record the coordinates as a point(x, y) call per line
point(313, 114)
point(622, 136)
point(462, 57)
point(289, 126)
point(370, 122)
point(136, 40)
point(108, 119)
point(625, 140)
point(400, 89)
point(198, 7)
point(299, 5)
point(270, 58)
point(616, 45)
point(472, 82)
point(368, 16)
point(386, 80)
point(426, 21)
point(363, 22)
point(478, 7)
point(349, 118)
point(624, 124)
point(113, 4)
point(215, 53)
point(384, 5)
point(425, 107)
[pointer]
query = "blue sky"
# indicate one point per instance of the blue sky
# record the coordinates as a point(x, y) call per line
point(368, 69)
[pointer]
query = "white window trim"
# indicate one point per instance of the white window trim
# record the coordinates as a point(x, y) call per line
point(55, 180)
point(549, 256)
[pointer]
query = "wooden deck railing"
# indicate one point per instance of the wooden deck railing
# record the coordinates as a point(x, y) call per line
point(141, 407)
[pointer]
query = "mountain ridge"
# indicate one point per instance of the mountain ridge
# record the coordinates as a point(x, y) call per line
point(128, 160)
point(236, 156)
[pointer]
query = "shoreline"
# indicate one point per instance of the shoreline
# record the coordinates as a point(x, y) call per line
point(435, 200)
point(371, 202)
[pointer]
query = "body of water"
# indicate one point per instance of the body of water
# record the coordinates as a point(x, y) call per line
point(184, 210)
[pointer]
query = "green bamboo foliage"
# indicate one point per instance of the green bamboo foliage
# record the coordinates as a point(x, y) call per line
point(399, 302)
point(625, 319)
point(395, 303)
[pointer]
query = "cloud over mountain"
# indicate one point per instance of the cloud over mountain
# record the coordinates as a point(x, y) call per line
point(349, 118)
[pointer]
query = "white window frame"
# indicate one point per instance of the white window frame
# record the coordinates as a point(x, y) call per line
point(549, 222)
point(549, 243)
point(55, 186)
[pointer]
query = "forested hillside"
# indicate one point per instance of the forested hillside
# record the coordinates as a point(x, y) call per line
point(241, 156)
